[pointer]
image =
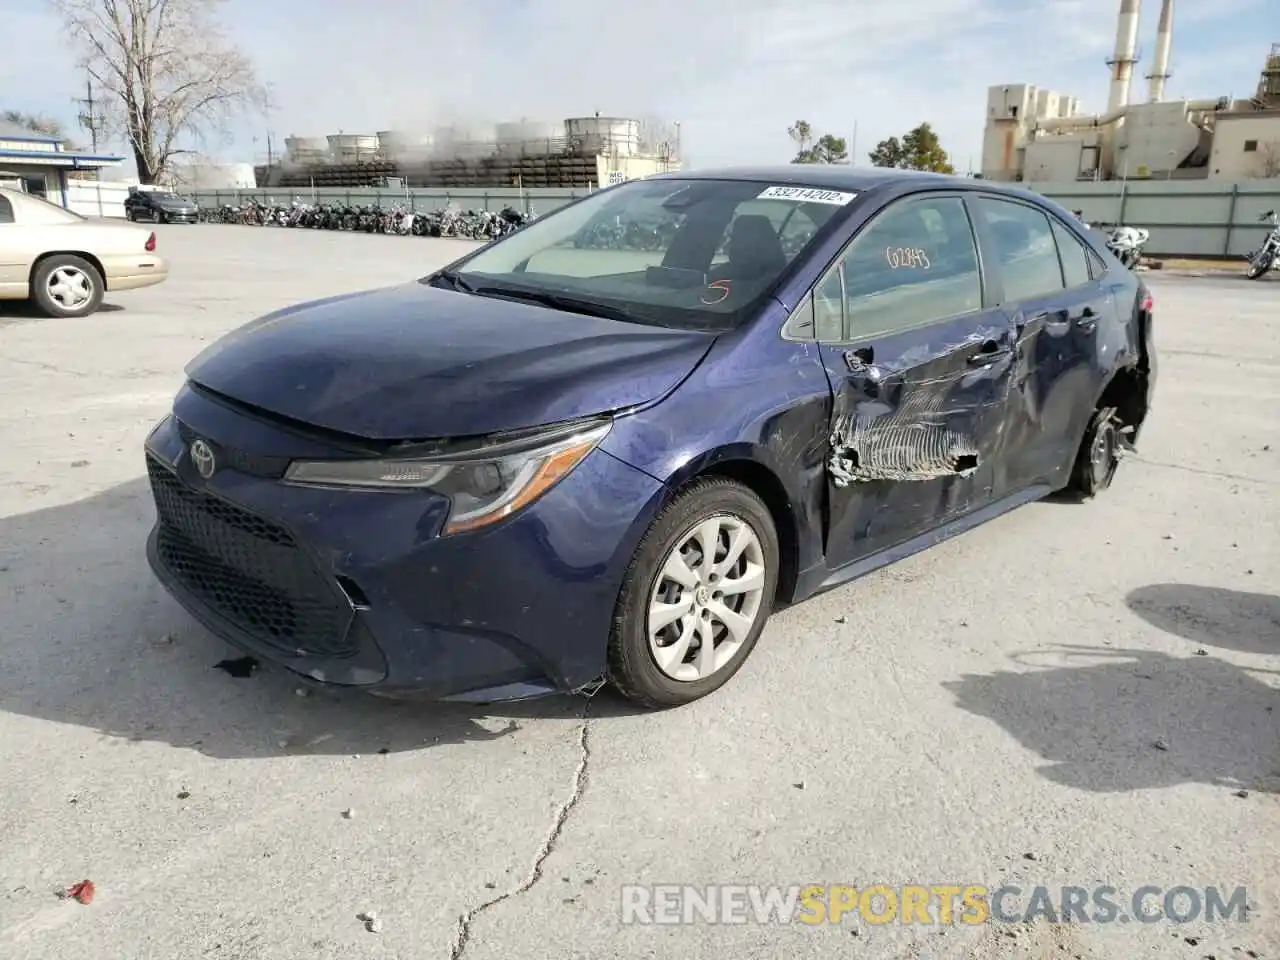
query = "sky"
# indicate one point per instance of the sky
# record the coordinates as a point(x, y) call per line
point(734, 73)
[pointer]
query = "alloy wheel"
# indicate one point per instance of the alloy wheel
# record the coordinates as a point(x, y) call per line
point(706, 598)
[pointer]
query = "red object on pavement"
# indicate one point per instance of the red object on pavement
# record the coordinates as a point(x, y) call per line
point(82, 891)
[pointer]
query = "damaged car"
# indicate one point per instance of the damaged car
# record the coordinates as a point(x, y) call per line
point(553, 464)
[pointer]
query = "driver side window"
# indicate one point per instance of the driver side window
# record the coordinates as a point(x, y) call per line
point(914, 264)
point(6, 210)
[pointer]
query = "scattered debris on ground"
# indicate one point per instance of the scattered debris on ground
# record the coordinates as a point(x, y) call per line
point(81, 892)
point(240, 668)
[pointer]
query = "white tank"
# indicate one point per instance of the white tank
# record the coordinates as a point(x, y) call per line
point(306, 150)
point(352, 147)
point(616, 136)
point(404, 143)
point(530, 138)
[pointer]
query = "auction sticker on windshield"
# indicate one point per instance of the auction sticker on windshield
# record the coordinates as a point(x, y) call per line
point(808, 195)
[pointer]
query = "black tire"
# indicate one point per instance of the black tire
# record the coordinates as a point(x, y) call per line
point(1099, 455)
point(161, 217)
point(46, 301)
point(129, 215)
point(631, 667)
point(1258, 268)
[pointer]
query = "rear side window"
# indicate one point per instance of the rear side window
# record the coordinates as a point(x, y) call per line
point(1075, 259)
point(6, 210)
point(1023, 245)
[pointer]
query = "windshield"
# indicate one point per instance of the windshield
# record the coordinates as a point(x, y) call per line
point(698, 254)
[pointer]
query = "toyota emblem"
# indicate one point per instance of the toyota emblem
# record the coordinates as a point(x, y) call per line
point(202, 459)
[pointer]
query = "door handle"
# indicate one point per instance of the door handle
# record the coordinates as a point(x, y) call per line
point(1087, 320)
point(983, 357)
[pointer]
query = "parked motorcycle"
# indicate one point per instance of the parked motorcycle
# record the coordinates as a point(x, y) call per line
point(397, 221)
point(1127, 243)
point(1266, 257)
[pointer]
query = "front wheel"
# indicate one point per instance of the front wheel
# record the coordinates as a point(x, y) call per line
point(1258, 266)
point(696, 596)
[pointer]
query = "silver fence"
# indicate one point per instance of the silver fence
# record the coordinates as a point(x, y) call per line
point(1187, 218)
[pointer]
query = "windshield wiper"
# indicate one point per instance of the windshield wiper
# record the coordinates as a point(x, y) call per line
point(558, 302)
point(454, 279)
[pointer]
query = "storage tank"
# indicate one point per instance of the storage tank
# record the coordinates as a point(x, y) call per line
point(306, 150)
point(352, 147)
point(530, 138)
point(616, 136)
point(403, 143)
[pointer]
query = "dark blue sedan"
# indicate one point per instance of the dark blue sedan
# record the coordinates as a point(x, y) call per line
point(608, 445)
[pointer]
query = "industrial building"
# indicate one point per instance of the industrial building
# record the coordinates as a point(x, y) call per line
point(580, 152)
point(1038, 135)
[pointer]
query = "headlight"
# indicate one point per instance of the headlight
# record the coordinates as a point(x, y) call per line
point(484, 485)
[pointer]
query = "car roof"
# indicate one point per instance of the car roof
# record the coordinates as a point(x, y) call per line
point(838, 176)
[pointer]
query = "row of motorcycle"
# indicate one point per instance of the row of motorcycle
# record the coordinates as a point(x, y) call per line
point(398, 221)
point(1127, 244)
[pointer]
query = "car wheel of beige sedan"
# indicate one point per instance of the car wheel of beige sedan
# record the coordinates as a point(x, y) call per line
point(67, 286)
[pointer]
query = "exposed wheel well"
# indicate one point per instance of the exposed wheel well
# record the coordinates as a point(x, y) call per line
point(1127, 392)
point(761, 481)
point(87, 257)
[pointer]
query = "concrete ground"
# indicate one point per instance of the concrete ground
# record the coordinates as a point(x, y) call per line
point(1069, 695)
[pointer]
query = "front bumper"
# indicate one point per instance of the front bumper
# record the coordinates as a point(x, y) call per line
point(356, 589)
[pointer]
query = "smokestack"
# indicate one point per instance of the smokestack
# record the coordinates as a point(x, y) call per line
point(1125, 56)
point(1164, 40)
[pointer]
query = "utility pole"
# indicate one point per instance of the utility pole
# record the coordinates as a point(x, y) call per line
point(88, 117)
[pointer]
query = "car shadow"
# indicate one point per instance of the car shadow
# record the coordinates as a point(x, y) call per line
point(91, 639)
point(12, 311)
point(1211, 616)
point(1115, 721)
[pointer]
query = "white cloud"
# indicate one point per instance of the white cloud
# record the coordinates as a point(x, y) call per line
point(736, 73)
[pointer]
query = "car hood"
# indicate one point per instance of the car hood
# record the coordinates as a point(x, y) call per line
point(416, 362)
point(177, 206)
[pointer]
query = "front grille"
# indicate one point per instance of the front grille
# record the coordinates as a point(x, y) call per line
point(256, 465)
point(249, 570)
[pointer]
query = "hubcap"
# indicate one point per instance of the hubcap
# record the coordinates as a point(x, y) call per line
point(69, 287)
point(706, 598)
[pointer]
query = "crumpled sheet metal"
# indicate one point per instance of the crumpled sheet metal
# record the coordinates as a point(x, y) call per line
point(914, 442)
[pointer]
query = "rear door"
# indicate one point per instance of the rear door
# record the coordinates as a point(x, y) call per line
point(1056, 300)
point(919, 364)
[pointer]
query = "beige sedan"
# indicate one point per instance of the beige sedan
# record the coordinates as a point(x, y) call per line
point(65, 262)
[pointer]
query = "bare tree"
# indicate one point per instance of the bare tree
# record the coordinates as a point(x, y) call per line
point(1269, 154)
point(41, 126)
point(167, 70)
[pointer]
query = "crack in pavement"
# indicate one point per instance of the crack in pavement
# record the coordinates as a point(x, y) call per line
point(465, 920)
point(1219, 474)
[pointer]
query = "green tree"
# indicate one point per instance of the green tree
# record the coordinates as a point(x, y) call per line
point(801, 133)
point(825, 149)
point(888, 153)
point(919, 149)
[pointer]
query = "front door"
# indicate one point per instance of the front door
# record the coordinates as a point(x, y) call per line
point(920, 375)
